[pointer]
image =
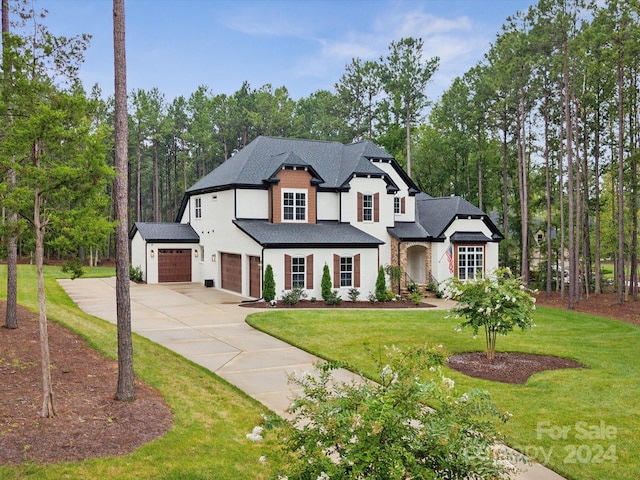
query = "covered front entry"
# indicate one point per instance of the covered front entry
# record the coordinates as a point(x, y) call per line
point(417, 264)
point(231, 271)
point(174, 265)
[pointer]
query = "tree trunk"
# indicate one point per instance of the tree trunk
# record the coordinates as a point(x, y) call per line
point(523, 175)
point(480, 155)
point(126, 380)
point(596, 194)
point(505, 192)
point(156, 184)
point(562, 220)
point(547, 175)
point(408, 129)
point(139, 179)
point(633, 273)
point(570, 179)
point(11, 318)
point(620, 273)
point(48, 405)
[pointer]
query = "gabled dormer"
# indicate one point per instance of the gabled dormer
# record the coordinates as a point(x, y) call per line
point(292, 191)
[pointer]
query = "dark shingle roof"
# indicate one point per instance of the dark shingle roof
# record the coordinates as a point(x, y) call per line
point(408, 231)
point(334, 162)
point(165, 232)
point(436, 214)
point(318, 235)
point(462, 237)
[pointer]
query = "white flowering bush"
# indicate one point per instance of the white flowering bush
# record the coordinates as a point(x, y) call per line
point(497, 304)
point(410, 424)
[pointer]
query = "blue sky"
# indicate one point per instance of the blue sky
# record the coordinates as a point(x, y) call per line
point(177, 45)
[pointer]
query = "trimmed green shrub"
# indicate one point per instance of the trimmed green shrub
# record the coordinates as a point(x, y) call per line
point(268, 284)
point(381, 286)
point(326, 283)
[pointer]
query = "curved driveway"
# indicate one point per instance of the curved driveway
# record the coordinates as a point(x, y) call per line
point(206, 326)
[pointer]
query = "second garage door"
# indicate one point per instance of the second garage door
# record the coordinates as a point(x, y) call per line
point(231, 269)
point(174, 265)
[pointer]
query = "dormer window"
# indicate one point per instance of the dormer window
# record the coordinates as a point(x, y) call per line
point(294, 205)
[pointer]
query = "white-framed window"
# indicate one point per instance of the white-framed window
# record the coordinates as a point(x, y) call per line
point(470, 262)
point(367, 207)
point(298, 272)
point(346, 271)
point(294, 205)
point(396, 205)
point(198, 209)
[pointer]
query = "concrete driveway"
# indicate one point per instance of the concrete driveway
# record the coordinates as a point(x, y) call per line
point(207, 326)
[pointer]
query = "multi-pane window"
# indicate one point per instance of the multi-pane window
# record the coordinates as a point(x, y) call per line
point(198, 208)
point(367, 207)
point(470, 262)
point(294, 206)
point(346, 271)
point(396, 205)
point(297, 272)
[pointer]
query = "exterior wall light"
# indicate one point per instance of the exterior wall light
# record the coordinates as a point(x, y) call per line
point(152, 253)
point(213, 257)
point(195, 253)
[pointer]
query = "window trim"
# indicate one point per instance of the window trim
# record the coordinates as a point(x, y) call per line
point(296, 208)
point(368, 209)
point(198, 207)
point(350, 271)
point(295, 282)
point(465, 253)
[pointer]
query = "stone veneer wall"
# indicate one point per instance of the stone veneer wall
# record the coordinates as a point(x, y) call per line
point(400, 258)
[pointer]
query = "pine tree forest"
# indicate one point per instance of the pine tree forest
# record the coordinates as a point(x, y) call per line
point(542, 134)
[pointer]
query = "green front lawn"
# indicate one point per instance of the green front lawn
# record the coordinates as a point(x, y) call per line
point(211, 418)
point(584, 424)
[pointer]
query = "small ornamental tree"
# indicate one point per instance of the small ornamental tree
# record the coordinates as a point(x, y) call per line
point(327, 293)
point(381, 286)
point(268, 284)
point(411, 424)
point(497, 303)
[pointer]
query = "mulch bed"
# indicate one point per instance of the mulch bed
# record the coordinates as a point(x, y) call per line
point(344, 304)
point(507, 367)
point(89, 422)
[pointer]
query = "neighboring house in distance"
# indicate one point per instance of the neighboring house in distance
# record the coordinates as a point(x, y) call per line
point(300, 204)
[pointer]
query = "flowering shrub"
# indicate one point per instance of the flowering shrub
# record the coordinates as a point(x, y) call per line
point(497, 303)
point(412, 424)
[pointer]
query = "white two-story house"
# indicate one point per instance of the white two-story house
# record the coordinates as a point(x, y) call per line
point(301, 204)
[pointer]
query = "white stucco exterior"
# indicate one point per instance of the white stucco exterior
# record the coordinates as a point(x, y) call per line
point(219, 215)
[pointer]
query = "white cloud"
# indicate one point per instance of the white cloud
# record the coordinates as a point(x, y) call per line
point(261, 23)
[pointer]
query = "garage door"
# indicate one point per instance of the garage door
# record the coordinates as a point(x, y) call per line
point(231, 269)
point(174, 265)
